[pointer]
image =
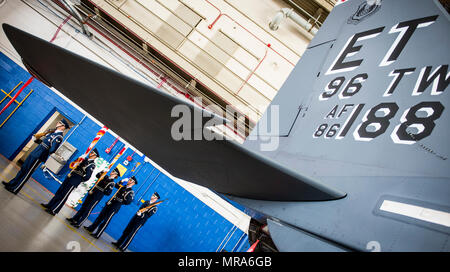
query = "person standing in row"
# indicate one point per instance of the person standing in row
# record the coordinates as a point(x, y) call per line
point(81, 173)
point(147, 209)
point(48, 145)
point(95, 194)
point(123, 196)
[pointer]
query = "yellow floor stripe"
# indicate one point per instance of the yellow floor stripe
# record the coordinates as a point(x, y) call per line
point(73, 229)
point(60, 220)
point(36, 192)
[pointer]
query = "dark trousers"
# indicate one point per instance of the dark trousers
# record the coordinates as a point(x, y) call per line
point(86, 208)
point(130, 231)
point(69, 184)
point(104, 218)
point(25, 172)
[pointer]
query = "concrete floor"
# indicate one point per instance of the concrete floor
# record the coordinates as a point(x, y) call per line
point(25, 226)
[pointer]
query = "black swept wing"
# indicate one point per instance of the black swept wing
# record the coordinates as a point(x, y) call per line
point(142, 116)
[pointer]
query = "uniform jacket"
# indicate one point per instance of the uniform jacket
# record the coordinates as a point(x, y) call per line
point(48, 145)
point(144, 216)
point(124, 196)
point(83, 172)
point(105, 186)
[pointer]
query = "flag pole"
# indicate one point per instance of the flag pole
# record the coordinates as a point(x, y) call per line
point(116, 158)
point(73, 165)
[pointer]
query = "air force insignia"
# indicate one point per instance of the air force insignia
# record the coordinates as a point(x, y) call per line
point(366, 9)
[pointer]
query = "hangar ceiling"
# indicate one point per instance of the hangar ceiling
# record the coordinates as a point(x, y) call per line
point(220, 51)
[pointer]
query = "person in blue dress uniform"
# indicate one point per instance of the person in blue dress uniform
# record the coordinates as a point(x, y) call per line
point(103, 188)
point(46, 147)
point(78, 175)
point(136, 222)
point(123, 196)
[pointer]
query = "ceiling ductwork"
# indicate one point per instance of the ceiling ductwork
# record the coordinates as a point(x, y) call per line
point(289, 13)
point(73, 11)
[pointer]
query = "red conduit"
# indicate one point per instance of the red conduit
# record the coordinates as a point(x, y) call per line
point(226, 15)
point(254, 70)
point(108, 150)
point(60, 26)
point(163, 80)
point(17, 94)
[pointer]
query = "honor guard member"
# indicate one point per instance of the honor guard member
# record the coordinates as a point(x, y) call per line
point(96, 193)
point(136, 222)
point(48, 145)
point(123, 196)
point(81, 173)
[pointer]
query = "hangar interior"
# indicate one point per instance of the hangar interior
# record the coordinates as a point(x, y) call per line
point(229, 55)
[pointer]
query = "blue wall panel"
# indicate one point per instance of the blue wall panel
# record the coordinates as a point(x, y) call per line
point(182, 223)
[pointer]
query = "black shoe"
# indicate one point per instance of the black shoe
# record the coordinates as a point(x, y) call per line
point(115, 244)
point(95, 235)
point(69, 219)
point(75, 225)
point(10, 190)
point(50, 212)
point(88, 229)
point(44, 205)
point(5, 183)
